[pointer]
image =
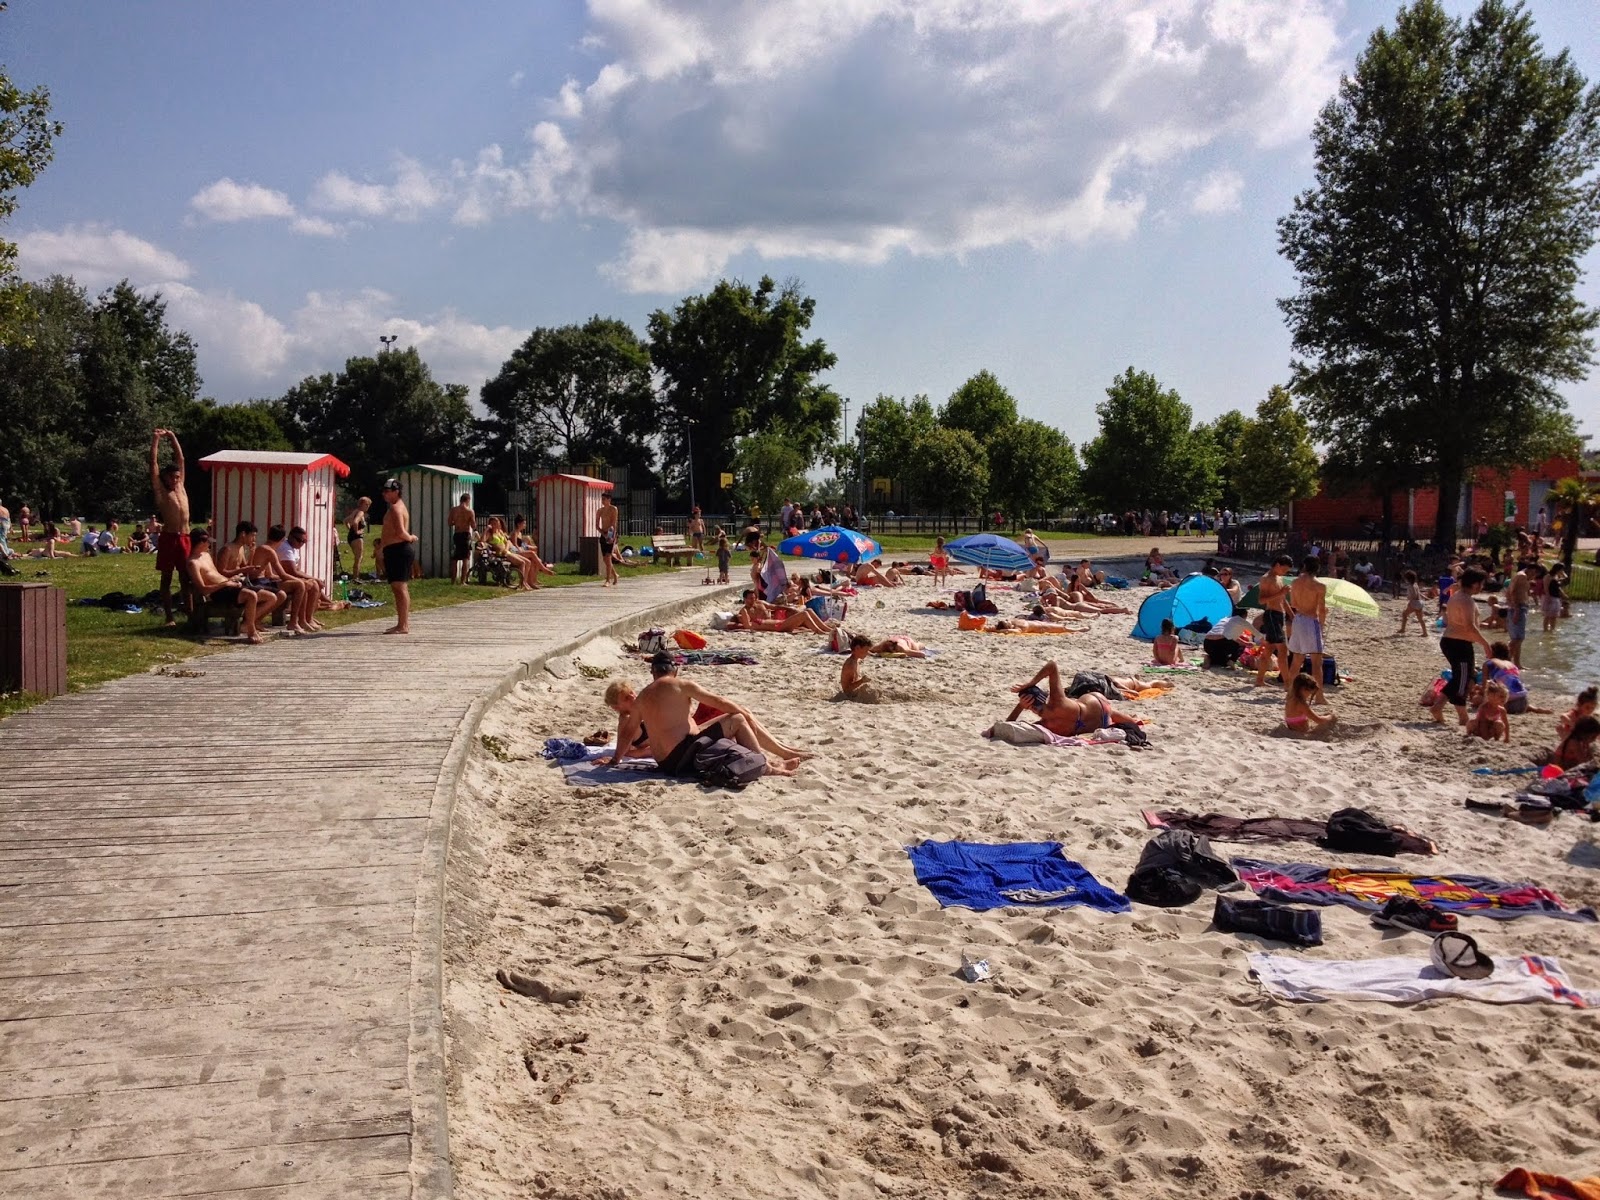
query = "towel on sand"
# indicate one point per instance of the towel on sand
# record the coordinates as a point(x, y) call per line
point(1540, 1186)
point(1526, 980)
point(589, 771)
point(1306, 883)
point(1011, 875)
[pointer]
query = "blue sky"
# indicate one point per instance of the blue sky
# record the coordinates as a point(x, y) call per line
point(1050, 189)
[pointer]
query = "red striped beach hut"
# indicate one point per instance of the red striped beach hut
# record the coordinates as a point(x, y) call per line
point(567, 508)
point(274, 487)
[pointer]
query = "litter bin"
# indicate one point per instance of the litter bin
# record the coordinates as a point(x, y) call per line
point(33, 638)
point(588, 556)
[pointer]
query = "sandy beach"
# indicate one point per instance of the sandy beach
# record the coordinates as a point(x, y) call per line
point(764, 1002)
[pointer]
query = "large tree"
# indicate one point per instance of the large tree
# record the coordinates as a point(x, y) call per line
point(981, 406)
point(41, 397)
point(948, 472)
point(888, 431)
point(27, 135)
point(735, 362)
point(573, 395)
point(1439, 252)
point(1147, 454)
point(1226, 435)
point(1276, 462)
point(1033, 470)
point(768, 469)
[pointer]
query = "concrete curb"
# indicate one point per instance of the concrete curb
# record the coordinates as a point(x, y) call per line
point(431, 1176)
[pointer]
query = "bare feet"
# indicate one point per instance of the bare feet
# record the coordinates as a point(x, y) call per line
point(253, 639)
point(396, 629)
point(782, 766)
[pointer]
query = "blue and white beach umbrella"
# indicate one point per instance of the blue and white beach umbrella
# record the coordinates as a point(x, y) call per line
point(831, 542)
point(990, 550)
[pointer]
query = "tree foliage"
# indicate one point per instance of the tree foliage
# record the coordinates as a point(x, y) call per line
point(1033, 470)
point(889, 429)
point(735, 362)
point(572, 395)
point(948, 471)
point(1276, 462)
point(27, 137)
point(1438, 254)
point(378, 413)
point(770, 468)
point(206, 427)
point(1226, 434)
point(980, 406)
point(1147, 455)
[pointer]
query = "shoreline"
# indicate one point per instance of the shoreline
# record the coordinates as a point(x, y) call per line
point(818, 1042)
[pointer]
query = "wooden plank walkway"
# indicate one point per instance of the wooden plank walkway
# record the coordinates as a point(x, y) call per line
point(220, 907)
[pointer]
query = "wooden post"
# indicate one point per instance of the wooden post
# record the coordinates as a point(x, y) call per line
point(33, 638)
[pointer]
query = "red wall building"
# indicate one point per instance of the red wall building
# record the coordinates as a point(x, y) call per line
point(1414, 510)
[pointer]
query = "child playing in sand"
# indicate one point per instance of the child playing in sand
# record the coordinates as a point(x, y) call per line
point(852, 683)
point(1298, 715)
point(1169, 653)
point(1492, 722)
point(724, 556)
point(1413, 605)
point(939, 560)
point(1588, 700)
point(1577, 747)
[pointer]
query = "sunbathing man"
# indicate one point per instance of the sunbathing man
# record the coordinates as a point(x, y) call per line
point(1061, 714)
point(212, 584)
point(662, 712)
point(873, 574)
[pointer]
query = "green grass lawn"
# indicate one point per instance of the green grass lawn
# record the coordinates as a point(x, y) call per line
point(103, 644)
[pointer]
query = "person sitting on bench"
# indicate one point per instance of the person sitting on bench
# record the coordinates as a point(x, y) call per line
point(216, 588)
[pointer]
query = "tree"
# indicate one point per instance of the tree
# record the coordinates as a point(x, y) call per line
point(577, 394)
point(207, 427)
point(1575, 499)
point(1276, 462)
point(1438, 254)
point(980, 406)
point(733, 362)
point(1146, 454)
point(1033, 470)
point(769, 469)
point(948, 471)
point(889, 429)
point(377, 414)
point(27, 135)
point(1225, 435)
point(41, 390)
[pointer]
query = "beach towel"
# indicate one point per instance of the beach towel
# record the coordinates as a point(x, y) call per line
point(1220, 827)
point(1539, 1186)
point(1011, 875)
point(1306, 883)
point(709, 658)
point(1530, 979)
point(774, 578)
point(589, 771)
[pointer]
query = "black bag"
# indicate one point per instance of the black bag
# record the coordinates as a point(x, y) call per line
point(1356, 831)
point(1093, 681)
point(725, 763)
point(1174, 868)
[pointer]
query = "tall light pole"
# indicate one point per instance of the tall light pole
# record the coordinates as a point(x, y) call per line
point(388, 340)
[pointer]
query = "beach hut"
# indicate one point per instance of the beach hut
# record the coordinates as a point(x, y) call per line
point(430, 492)
point(567, 508)
point(273, 487)
point(1196, 599)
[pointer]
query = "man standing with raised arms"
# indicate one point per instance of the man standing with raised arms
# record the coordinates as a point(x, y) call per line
point(172, 505)
point(398, 548)
point(605, 524)
point(1275, 599)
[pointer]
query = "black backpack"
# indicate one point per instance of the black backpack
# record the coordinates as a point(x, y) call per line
point(1174, 868)
point(725, 763)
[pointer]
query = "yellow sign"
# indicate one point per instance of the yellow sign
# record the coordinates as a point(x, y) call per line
point(727, 479)
point(880, 487)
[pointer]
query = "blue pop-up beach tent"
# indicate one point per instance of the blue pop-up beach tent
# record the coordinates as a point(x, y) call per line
point(1197, 598)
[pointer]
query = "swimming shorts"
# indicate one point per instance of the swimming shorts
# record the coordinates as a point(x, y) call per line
point(460, 546)
point(172, 551)
point(681, 760)
point(1517, 622)
point(1305, 636)
point(226, 595)
point(1272, 628)
point(397, 561)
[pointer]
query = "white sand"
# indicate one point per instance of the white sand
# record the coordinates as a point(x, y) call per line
point(773, 1009)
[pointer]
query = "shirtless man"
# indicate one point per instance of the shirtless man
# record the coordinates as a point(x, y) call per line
point(1518, 598)
point(663, 710)
point(1309, 595)
point(397, 547)
point(1460, 640)
point(212, 584)
point(605, 523)
point(463, 521)
point(172, 505)
point(1275, 599)
point(236, 558)
point(1058, 712)
point(631, 735)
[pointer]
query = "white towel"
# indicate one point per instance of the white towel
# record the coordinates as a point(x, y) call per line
point(1524, 980)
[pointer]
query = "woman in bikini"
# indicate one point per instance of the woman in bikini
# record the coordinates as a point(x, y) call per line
point(355, 533)
point(1061, 714)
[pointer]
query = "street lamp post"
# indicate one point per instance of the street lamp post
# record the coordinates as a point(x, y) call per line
point(388, 340)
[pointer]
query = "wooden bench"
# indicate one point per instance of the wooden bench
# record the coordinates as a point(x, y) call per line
point(672, 547)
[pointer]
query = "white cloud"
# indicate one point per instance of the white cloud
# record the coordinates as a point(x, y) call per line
point(412, 191)
point(226, 200)
point(316, 227)
point(97, 255)
point(1218, 192)
point(516, 79)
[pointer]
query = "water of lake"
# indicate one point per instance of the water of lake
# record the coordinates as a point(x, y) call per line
point(1559, 664)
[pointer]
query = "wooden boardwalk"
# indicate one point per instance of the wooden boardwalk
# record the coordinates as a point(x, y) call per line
point(220, 907)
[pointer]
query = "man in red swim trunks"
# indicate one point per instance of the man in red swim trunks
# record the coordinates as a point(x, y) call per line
point(172, 506)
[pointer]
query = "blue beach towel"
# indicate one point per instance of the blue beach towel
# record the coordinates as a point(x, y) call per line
point(1012, 875)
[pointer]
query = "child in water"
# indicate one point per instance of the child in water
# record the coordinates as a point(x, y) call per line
point(1491, 722)
point(1298, 715)
point(1167, 649)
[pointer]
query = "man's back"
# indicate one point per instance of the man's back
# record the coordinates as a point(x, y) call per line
point(1308, 593)
point(463, 519)
point(663, 708)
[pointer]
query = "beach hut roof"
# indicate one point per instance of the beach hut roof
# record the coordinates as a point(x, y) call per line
point(274, 460)
point(1195, 599)
point(588, 481)
point(453, 472)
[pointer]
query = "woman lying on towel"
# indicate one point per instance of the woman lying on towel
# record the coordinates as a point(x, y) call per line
point(1023, 625)
point(875, 574)
point(1061, 714)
